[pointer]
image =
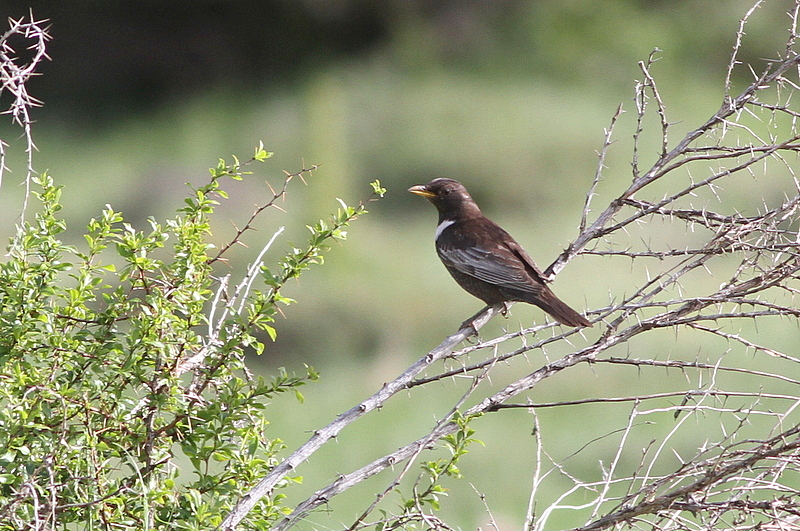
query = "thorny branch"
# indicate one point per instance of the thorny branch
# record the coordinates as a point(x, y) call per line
point(280, 193)
point(730, 271)
point(16, 69)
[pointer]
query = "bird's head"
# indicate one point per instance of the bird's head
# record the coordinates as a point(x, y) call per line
point(449, 197)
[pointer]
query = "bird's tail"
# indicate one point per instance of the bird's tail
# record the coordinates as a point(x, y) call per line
point(558, 309)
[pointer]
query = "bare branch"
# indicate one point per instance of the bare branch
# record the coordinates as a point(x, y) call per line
point(714, 254)
point(14, 76)
point(320, 437)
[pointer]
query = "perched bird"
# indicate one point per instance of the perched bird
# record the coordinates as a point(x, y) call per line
point(483, 258)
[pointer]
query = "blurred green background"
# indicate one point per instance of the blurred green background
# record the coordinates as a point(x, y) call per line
point(511, 97)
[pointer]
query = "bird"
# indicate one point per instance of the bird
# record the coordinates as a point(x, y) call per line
point(484, 259)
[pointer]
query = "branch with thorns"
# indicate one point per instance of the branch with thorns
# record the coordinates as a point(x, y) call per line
point(758, 250)
point(14, 77)
point(272, 202)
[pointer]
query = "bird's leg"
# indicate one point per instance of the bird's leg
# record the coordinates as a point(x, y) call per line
point(471, 322)
point(505, 308)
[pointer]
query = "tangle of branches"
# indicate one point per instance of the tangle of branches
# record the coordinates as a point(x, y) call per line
point(17, 66)
point(709, 232)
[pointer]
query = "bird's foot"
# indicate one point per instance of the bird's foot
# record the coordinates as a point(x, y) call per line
point(470, 323)
point(506, 305)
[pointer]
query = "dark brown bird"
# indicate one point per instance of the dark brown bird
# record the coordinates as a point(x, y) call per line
point(483, 258)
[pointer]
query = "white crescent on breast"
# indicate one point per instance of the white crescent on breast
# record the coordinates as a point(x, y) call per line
point(443, 225)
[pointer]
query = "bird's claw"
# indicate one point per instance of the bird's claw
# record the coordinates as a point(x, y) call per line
point(470, 324)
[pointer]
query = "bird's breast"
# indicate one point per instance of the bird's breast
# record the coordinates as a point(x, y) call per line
point(443, 225)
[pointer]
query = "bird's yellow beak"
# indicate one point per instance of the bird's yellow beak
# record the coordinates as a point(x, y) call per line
point(421, 190)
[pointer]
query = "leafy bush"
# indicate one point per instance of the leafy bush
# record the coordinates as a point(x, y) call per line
point(124, 398)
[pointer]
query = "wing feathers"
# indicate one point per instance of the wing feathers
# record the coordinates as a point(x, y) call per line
point(498, 260)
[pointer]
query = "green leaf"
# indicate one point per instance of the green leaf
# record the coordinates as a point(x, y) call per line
point(377, 188)
point(273, 334)
point(261, 154)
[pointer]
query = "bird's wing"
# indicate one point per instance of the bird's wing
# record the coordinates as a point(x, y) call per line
point(501, 266)
point(532, 268)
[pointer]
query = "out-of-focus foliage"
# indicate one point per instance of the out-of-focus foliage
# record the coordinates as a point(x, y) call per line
point(114, 58)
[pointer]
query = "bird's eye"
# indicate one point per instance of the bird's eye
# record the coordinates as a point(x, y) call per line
point(447, 190)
